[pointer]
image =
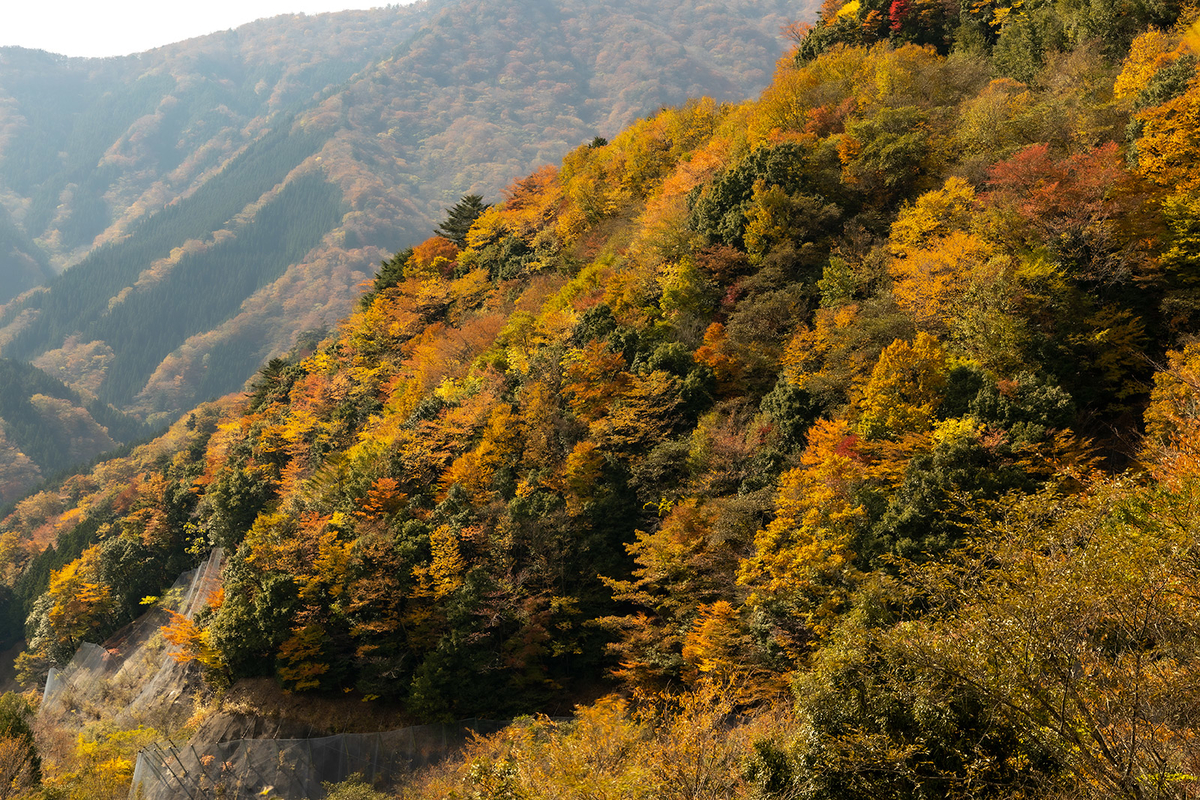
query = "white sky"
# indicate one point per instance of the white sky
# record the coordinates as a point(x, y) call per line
point(120, 27)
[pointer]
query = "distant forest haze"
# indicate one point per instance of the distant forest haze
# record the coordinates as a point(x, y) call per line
point(80, 29)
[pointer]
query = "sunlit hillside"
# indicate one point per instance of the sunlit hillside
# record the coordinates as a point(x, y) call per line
point(840, 443)
point(214, 198)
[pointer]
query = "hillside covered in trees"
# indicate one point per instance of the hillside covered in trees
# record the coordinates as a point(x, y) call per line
point(849, 434)
point(276, 165)
point(47, 428)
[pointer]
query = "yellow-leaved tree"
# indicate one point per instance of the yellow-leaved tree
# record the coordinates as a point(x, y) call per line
point(80, 600)
point(934, 215)
point(1170, 139)
point(1150, 51)
point(1173, 419)
point(904, 390)
point(947, 276)
point(802, 562)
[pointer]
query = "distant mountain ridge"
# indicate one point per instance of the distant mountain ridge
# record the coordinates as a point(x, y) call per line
point(87, 145)
point(155, 177)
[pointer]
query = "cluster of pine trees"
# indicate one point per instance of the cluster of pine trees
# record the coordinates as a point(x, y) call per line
point(872, 403)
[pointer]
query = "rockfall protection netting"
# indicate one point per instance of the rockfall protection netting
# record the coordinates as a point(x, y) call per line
point(296, 768)
point(132, 678)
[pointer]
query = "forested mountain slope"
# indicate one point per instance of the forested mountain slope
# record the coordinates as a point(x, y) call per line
point(90, 145)
point(871, 403)
point(47, 427)
point(214, 198)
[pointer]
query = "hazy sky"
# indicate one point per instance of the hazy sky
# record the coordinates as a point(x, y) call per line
point(120, 27)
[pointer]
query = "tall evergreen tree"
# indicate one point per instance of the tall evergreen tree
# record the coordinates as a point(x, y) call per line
point(459, 218)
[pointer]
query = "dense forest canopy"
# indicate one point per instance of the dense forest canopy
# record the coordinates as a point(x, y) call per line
point(849, 432)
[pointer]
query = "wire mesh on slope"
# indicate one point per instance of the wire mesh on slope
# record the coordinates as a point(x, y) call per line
point(292, 769)
point(131, 678)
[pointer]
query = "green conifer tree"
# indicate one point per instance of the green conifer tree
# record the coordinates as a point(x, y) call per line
point(459, 218)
